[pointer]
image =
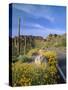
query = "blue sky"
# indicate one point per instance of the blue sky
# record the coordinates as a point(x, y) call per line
point(38, 20)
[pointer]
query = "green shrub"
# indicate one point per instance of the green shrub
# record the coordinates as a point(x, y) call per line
point(25, 58)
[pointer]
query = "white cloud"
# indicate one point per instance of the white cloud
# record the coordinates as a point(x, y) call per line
point(36, 25)
point(39, 26)
point(37, 11)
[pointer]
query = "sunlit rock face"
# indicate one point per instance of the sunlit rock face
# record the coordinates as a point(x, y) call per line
point(39, 59)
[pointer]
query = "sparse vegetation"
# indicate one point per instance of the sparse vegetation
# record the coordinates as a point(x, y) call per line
point(24, 70)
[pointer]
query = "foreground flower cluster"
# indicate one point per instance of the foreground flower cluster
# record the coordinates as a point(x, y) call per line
point(29, 73)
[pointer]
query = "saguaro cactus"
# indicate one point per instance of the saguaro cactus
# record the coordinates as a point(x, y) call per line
point(25, 45)
point(18, 49)
point(18, 36)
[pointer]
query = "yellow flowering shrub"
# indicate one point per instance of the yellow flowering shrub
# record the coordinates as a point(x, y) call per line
point(26, 74)
point(50, 54)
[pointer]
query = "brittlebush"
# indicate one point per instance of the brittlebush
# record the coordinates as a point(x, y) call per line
point(26, 74)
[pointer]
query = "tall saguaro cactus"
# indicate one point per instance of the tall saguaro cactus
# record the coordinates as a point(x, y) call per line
point(18, 49)
point(19, 35)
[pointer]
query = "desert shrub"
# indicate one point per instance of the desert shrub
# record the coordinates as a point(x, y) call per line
point(60, 44)
point(25, 58)
point(33, 51)
point(50, 54)
point(52, 58)
point(25, 74)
